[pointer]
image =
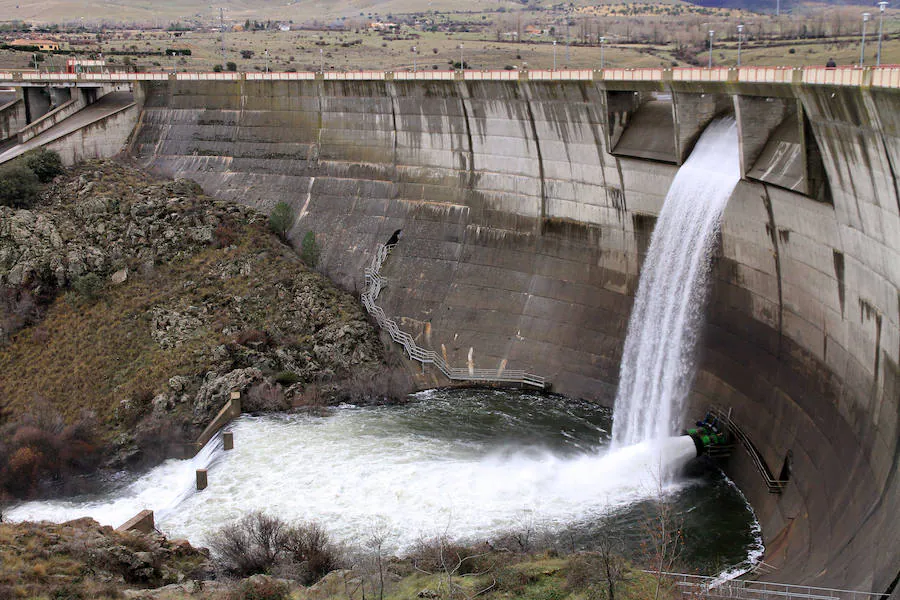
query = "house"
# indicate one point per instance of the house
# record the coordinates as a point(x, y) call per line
point(533, 30)
point(43, 45)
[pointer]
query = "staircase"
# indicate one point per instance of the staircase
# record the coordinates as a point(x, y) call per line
point(374, 284)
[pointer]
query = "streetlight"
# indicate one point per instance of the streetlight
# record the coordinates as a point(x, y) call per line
point(862, 45)
point(461, 61)
point(711, 34)
point(881, 7)
point(740, 29)
point(602, 41)
point(414, 59)
point(267, 60)
point(554, 55)
point(322, 57)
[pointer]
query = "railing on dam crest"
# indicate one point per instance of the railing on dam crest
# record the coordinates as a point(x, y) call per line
point(887, 76)
point(374, 284)
point(714, 588)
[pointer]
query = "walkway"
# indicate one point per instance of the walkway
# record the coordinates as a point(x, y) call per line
point(374, 284)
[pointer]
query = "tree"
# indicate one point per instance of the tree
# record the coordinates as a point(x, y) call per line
point(309, 249)
point(18, 185)
point(662, 528)
point(46, 164)
point(231, 66)
point(217, 68)
point(281, 220)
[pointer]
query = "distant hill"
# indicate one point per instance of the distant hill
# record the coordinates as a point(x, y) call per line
point(769, 6)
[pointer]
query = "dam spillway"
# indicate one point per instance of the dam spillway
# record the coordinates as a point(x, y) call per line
point(527, 209)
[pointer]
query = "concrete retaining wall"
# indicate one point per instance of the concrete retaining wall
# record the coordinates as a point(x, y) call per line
point(523, 237)
point(104, 138)
point(12, 118)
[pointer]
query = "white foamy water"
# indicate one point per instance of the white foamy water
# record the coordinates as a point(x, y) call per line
point(353, 469)
point(657, 367)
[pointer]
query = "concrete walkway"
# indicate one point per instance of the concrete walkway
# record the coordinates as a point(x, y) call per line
point(107, 105)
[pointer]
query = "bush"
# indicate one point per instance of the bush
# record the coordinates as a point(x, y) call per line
point(309, 249)
point(260, 588)
point(18, 185)
point(88, 286)
point(46, 164)
point(287, 378)
point(265, 397)
point(217, 68)
point(281, 219)
point(231, 66)
point(263, 544)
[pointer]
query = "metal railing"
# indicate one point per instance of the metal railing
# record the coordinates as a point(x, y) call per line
point(883, 76)
point(700, 587)
point(375, 282)
point(775, 486)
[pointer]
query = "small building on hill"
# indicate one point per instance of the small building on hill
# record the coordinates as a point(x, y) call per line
point(43, 45)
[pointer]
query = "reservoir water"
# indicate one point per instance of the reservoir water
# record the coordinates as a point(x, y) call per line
point(474, 464)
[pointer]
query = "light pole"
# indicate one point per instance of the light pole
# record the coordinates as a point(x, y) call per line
point(461, 61)
point(711, 34)
point(267, 60)
point(554, 55)
point(414, 59)
point(881, 7)
point(740, 29)
point(862, 45)
point(602, 41)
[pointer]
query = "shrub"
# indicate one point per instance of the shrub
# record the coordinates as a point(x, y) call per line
point(217, 68)
point(231, 66)
point(46, 164)
point(265, 397)
point(263, 544)
point(225, 235)
point(287, 378)
point(252, 337)
point(309, 249)
point(18, 185)
point(88, 286)
point(281, 219)
point(260, 588)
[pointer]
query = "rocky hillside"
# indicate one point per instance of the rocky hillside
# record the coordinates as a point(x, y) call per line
point(138, 305)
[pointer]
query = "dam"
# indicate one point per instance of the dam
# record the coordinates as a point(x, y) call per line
point(526, 203)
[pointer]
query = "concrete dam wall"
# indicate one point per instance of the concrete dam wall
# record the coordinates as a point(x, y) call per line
point(526, 209)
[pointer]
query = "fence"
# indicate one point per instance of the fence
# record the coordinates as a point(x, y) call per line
point(374, 284)
point(884, 76)
point(710, 588)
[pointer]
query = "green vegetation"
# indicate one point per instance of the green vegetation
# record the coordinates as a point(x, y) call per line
point(20, 178)
point(309, 250)
point(19, 186)
point(281, 219)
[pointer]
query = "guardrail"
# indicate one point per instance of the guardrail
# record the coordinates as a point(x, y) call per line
point(775, 486)
point(374, 284)
point(883, 76)
point(712, 588)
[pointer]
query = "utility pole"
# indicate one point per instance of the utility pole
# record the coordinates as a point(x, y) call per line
point(414, 59)
point(711, 34)
point(778, 8)
point(267, 60)
point(222, 30)
point(862, 45)
point(322, 57)
point(740, 29)
point(462, 63)
point(568, 62)
point(881, 7)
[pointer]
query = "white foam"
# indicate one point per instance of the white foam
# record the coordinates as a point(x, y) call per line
point(347, 471)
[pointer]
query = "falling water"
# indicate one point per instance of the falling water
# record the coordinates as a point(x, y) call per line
point(657, 366)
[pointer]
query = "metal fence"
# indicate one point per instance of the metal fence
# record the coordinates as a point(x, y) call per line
point(883, 76)
point(374, 284)
point(711, 588)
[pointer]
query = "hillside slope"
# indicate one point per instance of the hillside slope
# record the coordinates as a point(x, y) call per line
point(163, 302)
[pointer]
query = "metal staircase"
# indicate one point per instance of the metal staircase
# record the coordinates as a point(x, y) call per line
point(374, 284)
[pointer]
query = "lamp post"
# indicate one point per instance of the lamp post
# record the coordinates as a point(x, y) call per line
point(740, 29)
point(554, 55)
point(711, 34)
point(881, 7)
point(862, 45)
point(414, 59)
point(461, 61)
point(602, 41)
point(267, 60)
point(322, 58)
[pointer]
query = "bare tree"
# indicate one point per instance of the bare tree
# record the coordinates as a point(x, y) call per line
point(662, 529)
